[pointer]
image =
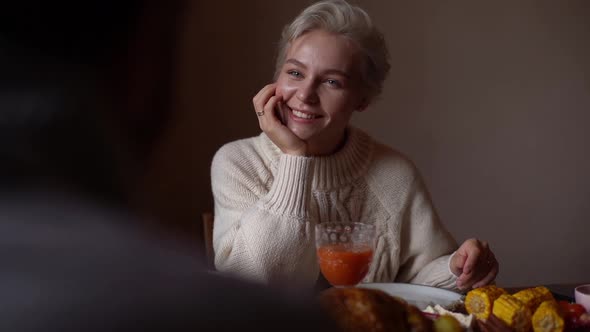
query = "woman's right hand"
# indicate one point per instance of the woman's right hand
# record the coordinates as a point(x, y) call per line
point(265, 104)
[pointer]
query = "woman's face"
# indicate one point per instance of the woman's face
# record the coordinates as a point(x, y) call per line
point(320, 85)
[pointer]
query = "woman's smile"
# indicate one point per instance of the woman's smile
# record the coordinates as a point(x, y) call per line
point(302, 116)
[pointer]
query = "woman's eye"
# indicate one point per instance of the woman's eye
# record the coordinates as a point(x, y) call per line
point(333, 83)
point(294, 73)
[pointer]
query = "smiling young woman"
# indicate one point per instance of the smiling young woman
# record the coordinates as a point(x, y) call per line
point(309, 166)
point(319, 87)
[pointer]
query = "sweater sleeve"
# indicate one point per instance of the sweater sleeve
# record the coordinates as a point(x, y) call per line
point(426, 246)
point(263, 234)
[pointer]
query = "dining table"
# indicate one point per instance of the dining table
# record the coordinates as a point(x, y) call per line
point(561, 291)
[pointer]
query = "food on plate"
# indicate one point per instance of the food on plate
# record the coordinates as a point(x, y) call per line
point(533, 297)
point(582, 322)
point(418, 321)
point(447, 323)
point(534, 309)
point(571, 309)
point(575, 316)
point(492, 324)
point(467, 321)
point(480, 301)
point(516, 310)
point(548, 317)
point(358, 309)
point(364, 309)
point(457, 306)
point(529, 309)
point(513, 312)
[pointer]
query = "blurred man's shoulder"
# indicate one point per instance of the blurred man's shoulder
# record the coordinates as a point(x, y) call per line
point(97, 271)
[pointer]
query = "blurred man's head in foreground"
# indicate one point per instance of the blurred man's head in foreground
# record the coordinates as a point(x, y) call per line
point(63, 95)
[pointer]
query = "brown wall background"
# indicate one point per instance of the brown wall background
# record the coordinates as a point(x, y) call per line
point(490, 99)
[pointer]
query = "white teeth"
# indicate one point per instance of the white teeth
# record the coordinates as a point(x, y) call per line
point(303, 115)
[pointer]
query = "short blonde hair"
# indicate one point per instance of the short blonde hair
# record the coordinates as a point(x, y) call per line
point(339, 17)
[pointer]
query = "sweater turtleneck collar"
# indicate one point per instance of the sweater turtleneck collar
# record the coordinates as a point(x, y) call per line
point(335, 170)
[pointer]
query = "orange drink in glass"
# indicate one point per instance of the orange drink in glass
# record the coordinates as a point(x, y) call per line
point(345, 251)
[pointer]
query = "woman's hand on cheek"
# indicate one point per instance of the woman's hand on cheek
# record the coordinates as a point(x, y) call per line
point(475, 264)
point(266, 102)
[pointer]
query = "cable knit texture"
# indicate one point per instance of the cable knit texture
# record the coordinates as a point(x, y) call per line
point(267, 204)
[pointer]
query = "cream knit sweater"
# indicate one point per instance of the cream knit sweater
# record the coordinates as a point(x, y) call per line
point(267, 204)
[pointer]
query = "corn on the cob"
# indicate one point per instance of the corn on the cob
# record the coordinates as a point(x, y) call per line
point(533, 297)
point(544, 293)
point(548, 317)
point(480, 301)
point(513, 312)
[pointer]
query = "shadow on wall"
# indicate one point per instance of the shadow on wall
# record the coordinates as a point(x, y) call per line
point(224, 58)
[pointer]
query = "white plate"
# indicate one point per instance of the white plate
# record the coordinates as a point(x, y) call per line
point(418, 295)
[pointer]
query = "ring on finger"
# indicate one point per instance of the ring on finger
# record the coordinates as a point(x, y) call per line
point(261, 113)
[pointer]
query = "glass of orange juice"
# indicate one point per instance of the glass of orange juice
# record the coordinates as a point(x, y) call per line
point(345, 251)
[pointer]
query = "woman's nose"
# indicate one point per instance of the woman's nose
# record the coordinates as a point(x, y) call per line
point(307, 93)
